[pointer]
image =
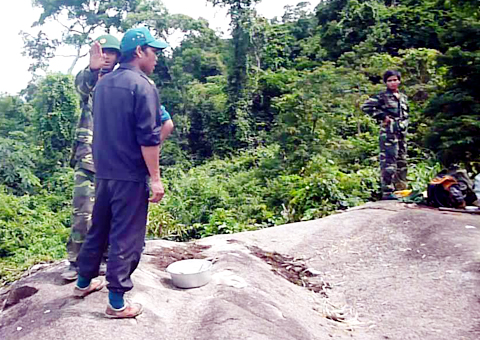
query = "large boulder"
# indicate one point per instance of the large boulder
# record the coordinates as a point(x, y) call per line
point(380, 271)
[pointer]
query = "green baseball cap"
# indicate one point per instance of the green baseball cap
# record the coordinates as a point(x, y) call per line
point(109, 41)
point(140, 37)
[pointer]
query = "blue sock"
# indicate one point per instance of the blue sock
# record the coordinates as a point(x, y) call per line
point(116, 299)
point(83, 282)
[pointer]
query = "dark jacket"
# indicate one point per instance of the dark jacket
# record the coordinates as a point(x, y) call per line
point(125, 111)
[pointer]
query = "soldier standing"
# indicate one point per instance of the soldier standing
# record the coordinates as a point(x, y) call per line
point(390, 109)
point(104, 55)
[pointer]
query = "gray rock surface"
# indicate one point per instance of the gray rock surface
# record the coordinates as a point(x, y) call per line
point(382, 271)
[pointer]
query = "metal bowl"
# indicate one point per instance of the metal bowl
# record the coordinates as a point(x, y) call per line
point(190, 273)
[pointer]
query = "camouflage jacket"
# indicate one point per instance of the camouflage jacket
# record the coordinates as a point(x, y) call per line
point(82, 149)
point(386, 104)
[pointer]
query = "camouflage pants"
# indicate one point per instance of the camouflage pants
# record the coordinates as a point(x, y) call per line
point(393, 158)
point(83, 201)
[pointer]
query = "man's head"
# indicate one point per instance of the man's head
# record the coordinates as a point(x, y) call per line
point(139, 47)
point(392, 79)
point(110, 49)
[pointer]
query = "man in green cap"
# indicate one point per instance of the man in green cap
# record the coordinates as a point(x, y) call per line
point(126, 147)
point(104, 55)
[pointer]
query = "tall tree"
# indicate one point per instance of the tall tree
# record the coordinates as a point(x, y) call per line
point(241, 13)
point(455, 112)
point(18, 154)
point(56, 107)
point(79, 19)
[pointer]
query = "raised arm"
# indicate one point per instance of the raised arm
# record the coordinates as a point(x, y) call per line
point(87, 78)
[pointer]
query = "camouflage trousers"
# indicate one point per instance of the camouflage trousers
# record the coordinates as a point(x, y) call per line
point(83, 201)
point(393, 158)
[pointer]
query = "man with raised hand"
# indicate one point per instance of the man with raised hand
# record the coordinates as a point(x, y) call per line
point(126, 147)
point(104, 55)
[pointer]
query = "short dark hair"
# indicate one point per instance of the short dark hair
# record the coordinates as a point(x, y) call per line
point(391, 73)
point(128, 56)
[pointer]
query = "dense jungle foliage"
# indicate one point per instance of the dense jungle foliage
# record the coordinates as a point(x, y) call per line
point(268, 122)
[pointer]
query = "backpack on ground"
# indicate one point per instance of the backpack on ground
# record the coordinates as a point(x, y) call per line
point(451, 189)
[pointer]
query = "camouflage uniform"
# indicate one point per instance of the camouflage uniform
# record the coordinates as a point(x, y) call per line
point(82, 162)
point(393, 144)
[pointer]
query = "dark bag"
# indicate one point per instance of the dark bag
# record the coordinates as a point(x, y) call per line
point(451, 189)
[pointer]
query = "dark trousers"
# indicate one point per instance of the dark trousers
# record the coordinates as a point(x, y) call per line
point(119, 219)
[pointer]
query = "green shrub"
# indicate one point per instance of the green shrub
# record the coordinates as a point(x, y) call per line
point(17, 164)
point(420, 174)
point(251, 191)
point(30, 232)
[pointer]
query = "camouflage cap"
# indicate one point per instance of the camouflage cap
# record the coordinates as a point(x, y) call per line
point(109, 41)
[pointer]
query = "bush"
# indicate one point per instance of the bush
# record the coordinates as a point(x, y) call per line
point(17, 164)
point(323, 189)
point(30, 232)
point(197, 200)
point(251, 191)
